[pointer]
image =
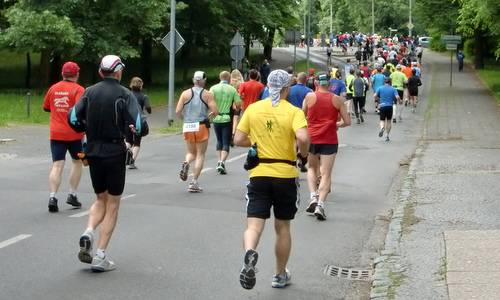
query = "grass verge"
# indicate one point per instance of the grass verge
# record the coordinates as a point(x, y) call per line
point(491, 76)
point(14, 108)
point(302, 66)
point(176, 128)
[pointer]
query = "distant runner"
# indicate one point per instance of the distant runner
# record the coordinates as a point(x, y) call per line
point(132, 139)
point(413, 83)
point(386, 96)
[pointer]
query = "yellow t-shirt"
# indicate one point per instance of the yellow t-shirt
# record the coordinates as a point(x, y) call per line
point(273, 130)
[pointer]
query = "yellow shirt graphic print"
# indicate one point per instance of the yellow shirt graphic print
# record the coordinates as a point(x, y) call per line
point(273, 130)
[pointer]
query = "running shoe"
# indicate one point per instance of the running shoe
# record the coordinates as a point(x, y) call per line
point(221, 168)
point(281, 280)
point(184, 171)
point(247, 273)
point(73, 200)
point(394, 120)
point(381, 132)
point(319, 212)
point(102, 264)
point(358, 121)
point(194, 187)
point(312, 205)
point(413, 110)
point(53, 204)
point(363, 110)
point(132, 165)
point(387, 139)
point(362, 119)
point(86, 242)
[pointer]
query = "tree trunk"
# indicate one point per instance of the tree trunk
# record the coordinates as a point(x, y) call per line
point(27, 82)
point(247, 46)
point(55, 69)
point(146, 55)
point(268, 44)
point(479, 48)
point(44, 68)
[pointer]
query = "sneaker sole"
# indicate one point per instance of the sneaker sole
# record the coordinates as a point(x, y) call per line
point(381, 133)
point(320, 217)
point(74, 204)
point(312, 207)
point(97, 269)
point(53, 208)
point(247, 274)
point(195, 190)
point(85, 247)
point(184, 173)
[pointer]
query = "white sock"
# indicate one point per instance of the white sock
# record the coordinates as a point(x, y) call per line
point(51, 195)
point(89, 230)
point(321, 203)
point(101, 253)
point(313, 195)
point(72, 192)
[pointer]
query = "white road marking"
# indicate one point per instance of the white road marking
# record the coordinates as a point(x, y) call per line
point(129, 196)
point(78, 215)
point(206, 170)
point(14, 240)
point(236, 158)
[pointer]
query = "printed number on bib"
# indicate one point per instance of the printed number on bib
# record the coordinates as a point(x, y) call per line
point(191, 127)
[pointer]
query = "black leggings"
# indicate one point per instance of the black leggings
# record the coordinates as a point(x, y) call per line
point(359, 104)
point(223, 132)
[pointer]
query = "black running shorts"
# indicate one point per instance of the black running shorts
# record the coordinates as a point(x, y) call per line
point(59, 149)
point(385, 113)
point(133, 139)
point(266, 192)
point(323, 149)
point(401, 94)
point(108, 174)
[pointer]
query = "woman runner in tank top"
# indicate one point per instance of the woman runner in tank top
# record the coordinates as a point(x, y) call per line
point(325, 113)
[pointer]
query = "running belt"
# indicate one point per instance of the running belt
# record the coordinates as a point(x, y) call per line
point(272, 161)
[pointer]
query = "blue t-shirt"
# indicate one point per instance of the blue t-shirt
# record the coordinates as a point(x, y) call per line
point(297, 94)
point(377, 81)
point(264, 94)
point(387, 95)
point(337, 86)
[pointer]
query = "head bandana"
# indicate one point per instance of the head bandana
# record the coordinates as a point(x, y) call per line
point(277, 80)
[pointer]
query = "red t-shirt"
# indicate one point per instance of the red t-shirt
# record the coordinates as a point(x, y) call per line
point(60, 98)
point(322, 120)
point(250, 91)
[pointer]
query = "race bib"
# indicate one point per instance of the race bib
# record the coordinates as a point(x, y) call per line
point(191, 127)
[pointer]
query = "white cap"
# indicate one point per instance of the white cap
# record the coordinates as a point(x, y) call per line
point(199, 75)
point(111, 63)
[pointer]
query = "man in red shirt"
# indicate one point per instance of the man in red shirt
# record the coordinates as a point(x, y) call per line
point(250, 91)
point(60, 98)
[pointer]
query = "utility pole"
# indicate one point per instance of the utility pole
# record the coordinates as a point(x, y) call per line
point(410, 24)
point(171, 65)
point(308, 35)
point(373, 16)
point(331, 17)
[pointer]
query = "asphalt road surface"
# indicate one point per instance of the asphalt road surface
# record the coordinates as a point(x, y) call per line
point(170, 244)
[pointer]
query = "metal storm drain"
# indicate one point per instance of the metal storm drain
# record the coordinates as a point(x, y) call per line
point(346, 273)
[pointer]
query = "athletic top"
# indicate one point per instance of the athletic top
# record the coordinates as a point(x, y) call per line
point(224, 96)
point(143, 101)
point(195, 110)
point(105, 112)
point(377, 81)
point(348, 80)
point(398, 80)
point(387, 95)
point(297, 94)
point(413, 84)
point(60, 98)
point(337, 86)
point(250, 92)
point(359, 87)
point(322, 120)
point(273, 129)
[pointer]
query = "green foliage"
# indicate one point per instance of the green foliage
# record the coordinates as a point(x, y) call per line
point(14, 109)
point(491, 76)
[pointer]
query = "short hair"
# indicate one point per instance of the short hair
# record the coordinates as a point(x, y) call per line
point(254, 74)
point(225, 75)
point(301, 77)
point(351, 71)
point(338, 74)
point(289, 70)
point(135, 83)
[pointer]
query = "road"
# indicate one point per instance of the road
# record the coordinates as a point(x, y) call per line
point(170, 244)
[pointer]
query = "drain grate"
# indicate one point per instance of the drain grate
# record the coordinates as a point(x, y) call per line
point(347, 273)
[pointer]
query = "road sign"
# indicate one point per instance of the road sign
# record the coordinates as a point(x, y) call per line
point(237, 53)
point(451, 47)
point(410, 26)
point(179, 41)
point(237, 40)
point(451, 39)
point(292, 36)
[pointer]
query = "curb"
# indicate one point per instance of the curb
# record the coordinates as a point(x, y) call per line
point(389, 266)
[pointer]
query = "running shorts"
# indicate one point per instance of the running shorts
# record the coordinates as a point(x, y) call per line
point(385, 113)
point(133, 139)
point(323, 149)
point(279, 193)
point(108, 174)
point(197, 137)
point(413, 93)
point(401, 94)
point(59, 149)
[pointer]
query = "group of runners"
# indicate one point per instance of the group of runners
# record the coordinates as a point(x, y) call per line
point(288, 123)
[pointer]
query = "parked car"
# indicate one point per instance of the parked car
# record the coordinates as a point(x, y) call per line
point(424, 41)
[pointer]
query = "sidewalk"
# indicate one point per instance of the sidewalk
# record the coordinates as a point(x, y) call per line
point(444, 235)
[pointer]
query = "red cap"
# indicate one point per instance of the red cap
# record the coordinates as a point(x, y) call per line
point(70, 69)
point(312, 71)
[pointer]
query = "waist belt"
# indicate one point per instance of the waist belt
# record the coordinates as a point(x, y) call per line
point(272, 161)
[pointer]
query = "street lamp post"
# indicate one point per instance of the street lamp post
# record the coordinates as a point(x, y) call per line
point(171, 65)
point(308, 35)
point(410, 24)
point(373, 16)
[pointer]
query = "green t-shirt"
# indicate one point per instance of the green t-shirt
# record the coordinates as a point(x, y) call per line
point(224, 95)
point(348, 81)
point(398, 80)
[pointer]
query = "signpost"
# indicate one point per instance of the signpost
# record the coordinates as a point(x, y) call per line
point(452, 42)
point(237, 50)
point(292, 36)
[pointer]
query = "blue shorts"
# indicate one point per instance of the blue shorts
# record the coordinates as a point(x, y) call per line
point(59, 149)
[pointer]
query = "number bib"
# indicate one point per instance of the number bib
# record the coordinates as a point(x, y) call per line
point(191, 127)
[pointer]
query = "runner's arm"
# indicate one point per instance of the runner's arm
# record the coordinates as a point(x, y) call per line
point(46, 102)
point(212, 106)
point(180, 105)
point(345, 117)
point(77, 116)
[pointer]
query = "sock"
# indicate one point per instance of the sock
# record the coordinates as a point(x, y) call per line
point(100, 253)
point(72, 192)
point(313, 195)
point(89, 230)
point(52, 195)
point(321, 203)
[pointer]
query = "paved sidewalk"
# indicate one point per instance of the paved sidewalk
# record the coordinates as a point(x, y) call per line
point(449, 234)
